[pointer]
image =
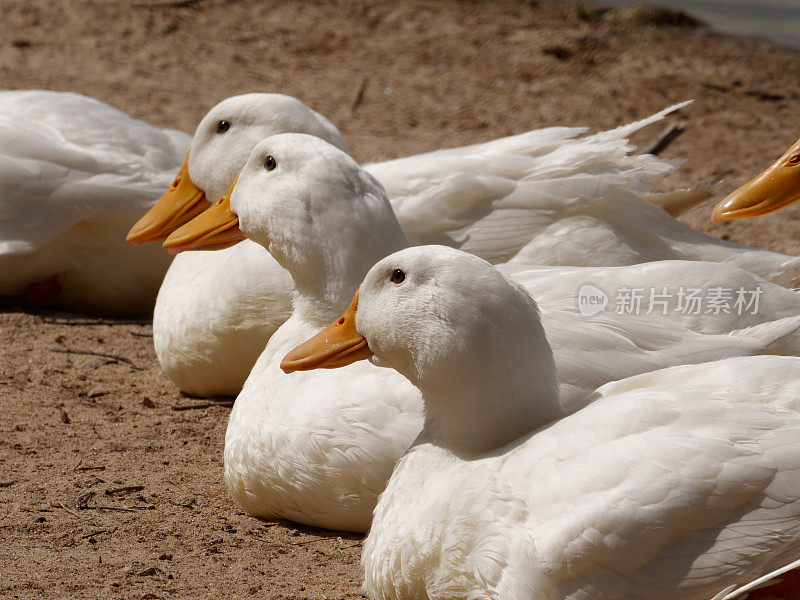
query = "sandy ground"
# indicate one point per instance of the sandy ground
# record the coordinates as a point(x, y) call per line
point(110, 480)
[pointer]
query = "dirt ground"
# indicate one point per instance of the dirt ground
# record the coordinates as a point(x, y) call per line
point(110, 480)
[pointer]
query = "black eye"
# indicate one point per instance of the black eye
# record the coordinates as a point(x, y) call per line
point(223, 126)
point(397, 276)
point(269, 163)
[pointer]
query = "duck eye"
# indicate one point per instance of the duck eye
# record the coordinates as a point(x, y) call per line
point(223, 126)
point(795, 160)
point(269, 163)
point(397, 276)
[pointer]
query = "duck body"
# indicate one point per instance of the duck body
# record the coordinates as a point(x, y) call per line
point(75, 174)
point(215, 312)
point(672, 484)
point(546, 197)
point(559, 285)
point(208, 357)
point(611, 238)
point(620, 340)
point(651, 491)
point(317, 447)
point(214, 356)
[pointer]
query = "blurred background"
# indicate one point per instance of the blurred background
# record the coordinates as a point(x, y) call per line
point(775, 19)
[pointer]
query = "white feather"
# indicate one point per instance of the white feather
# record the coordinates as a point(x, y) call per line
point(76, 174)
point(670, 485)
point(317, 447)
point(543, 197)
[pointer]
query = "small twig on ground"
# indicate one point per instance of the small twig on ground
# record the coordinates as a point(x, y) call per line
point(769, 96)
point(117, 508)
point(255, 531)
point(199, 405)
point(716, 86)
point(100, 354)
point(360, 95)
point(98, 532)
point(143, 335)
point(669, 135)
point(122, 491)
point(84, 322)
point(306, 542)
point(172, 4)
point(72, 512)
point(89, 468)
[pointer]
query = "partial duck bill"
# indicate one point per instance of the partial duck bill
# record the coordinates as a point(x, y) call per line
point(181, 203)
point(216, 228)
point(775, 188)
point(338, 345)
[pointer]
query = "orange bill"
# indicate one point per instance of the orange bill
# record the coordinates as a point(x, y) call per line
point(181, 203)
point(337, 345)
point(775, 188)
point(214, 229)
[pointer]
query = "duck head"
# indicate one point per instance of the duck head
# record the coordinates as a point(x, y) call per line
point(319, 214)
point(219, 150)
point(778, 186)
point(467, 336)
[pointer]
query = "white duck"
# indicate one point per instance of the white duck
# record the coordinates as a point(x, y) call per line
point(671, 485)
point(318, 448)
point(75, 174)
point(544, 197)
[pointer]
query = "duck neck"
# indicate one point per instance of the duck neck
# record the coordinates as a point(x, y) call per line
point(487, 404)
point(467, 428)
point(328, 269)
point(326, 288)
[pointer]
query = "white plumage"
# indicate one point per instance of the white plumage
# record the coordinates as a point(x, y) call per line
point(670, 485)
point(76, 174)
point(549, 197)
point(318, 447)
point(542, 197)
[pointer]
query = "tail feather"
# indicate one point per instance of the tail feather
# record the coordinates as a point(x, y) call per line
point(627, 130)
point(681, 201)
point(770, 332)
point(785, 586)
point(768, 586)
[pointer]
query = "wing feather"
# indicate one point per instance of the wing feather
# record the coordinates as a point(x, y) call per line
point(643, 492)
point(69, 159)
